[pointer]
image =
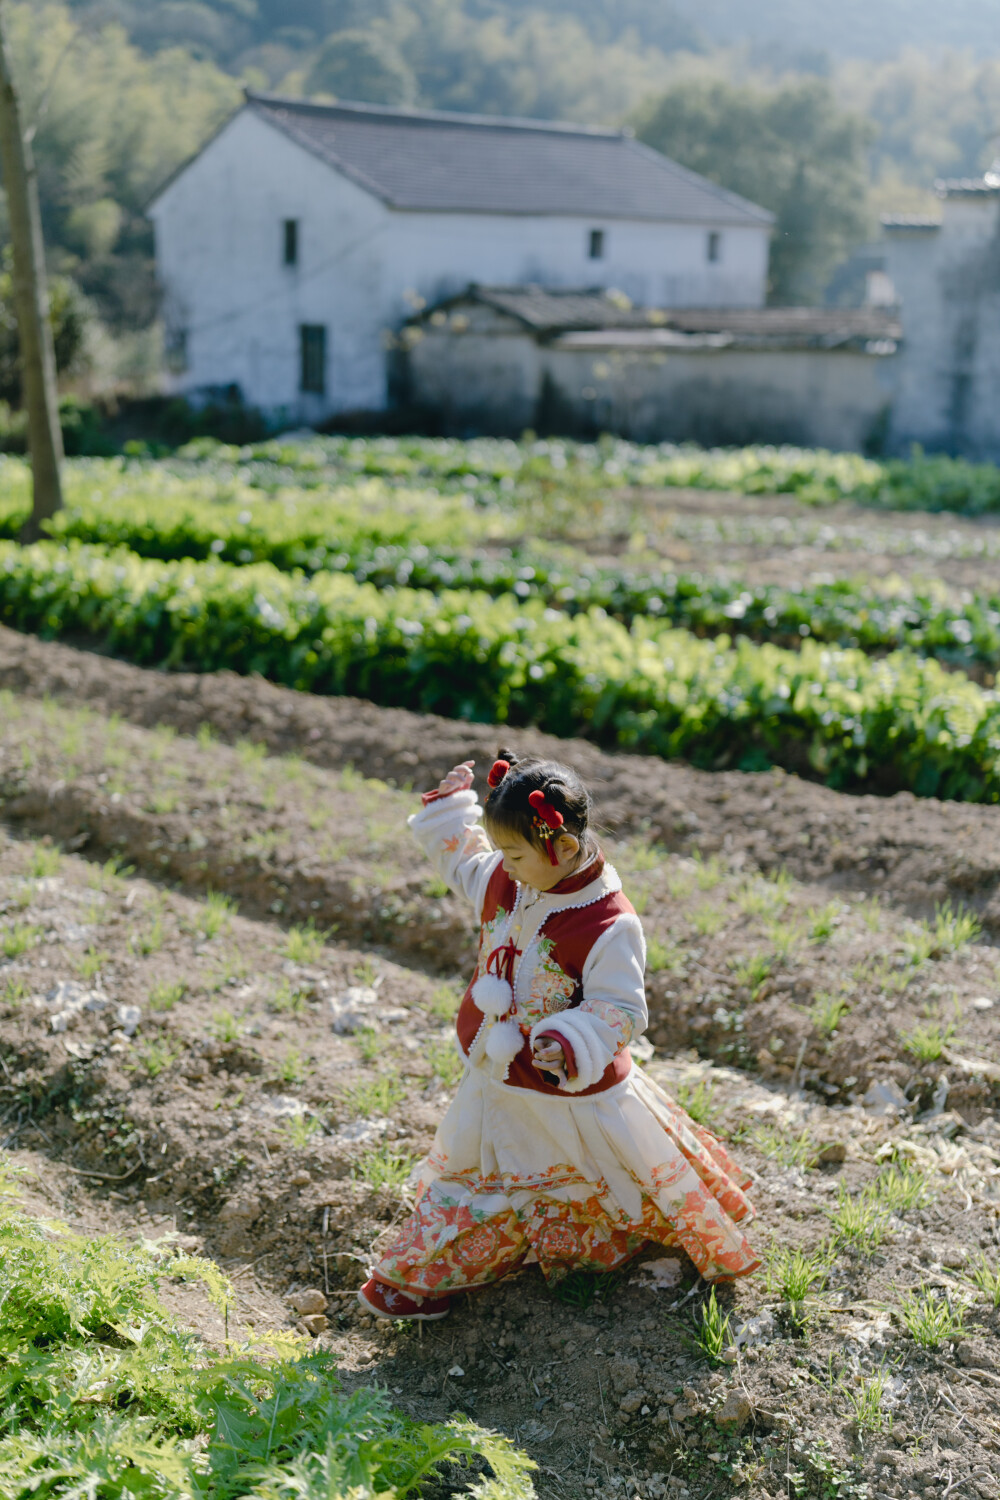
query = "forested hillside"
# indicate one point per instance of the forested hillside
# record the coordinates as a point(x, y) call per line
point(826, 115)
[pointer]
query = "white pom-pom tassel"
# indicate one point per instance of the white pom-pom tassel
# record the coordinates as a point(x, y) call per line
point(504, 1043)
point(492, 995)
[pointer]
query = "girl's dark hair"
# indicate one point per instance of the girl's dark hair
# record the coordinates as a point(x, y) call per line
point(508, 810)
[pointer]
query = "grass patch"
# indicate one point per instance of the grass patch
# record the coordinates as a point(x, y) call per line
point(304, 945)
point(711, 1330)
point(954, 928)
point(224, 1026)
point(445, 1059)
point(287, 1000)
point(986, 1278)
point(18, 939)
point(754, 972)
point(822, 921)
point(698, 1100)
point(928, 1039)
point(858, 1222)
point(165, 996)
point(782, 1145)
point(376, 1097)
point(384, 1168)
point(827, 1012)
point(663, 955)
point(708, 920)
point(797, 1278)
point(92, 962)
point(155, 1056)
point(866, 1399)
point(216, 912)
point(930, 1318)
point(291, 1068)
point(45, 862)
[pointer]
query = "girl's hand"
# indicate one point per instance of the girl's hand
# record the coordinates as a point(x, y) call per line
point(458, 779)
point(548, 1057)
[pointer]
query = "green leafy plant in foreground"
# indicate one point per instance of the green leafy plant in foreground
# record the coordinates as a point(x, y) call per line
point(105, 1395)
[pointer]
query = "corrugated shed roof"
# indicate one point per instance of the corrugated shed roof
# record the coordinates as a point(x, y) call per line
point(550, 311)
point(431, 161)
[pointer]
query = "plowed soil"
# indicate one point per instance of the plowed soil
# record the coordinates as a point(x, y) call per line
point(246, 1039)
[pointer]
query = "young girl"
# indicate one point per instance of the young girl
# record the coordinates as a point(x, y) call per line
point(555, 1148)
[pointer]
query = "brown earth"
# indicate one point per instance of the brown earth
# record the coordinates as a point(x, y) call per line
point(238, 1117)
point(913, 852)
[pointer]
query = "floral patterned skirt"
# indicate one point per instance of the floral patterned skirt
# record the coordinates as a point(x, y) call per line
point(581, 1183)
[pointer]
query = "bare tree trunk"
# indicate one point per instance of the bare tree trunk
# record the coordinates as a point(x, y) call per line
point(31, 301)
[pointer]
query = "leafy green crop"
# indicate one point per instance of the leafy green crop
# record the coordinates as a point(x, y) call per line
point(899, 722)
point(419, 540)
point(104, 1395)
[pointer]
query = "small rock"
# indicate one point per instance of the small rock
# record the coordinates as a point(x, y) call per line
point(661, 1274)
point(886, 1098)
point(354, 1009)
point(974, 1355)
point(456, 1372)
point(300, 1179)
point(632, 1401)
point(127, 1018)
point(248, 1207)
point(624, 1374)
point(833, 1151)
point(983, 1002)
point(308, 1302)
point(953, 1257)
point(734, 1414)
point(315, 1323)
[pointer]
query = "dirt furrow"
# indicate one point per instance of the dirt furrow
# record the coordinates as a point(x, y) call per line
point(914, 852)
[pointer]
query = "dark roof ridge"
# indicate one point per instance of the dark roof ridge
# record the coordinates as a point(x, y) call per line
point(400, 114)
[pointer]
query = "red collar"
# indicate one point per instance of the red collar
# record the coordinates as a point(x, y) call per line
point(576, 882)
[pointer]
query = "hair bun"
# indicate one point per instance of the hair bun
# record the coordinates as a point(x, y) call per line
point(508, 755)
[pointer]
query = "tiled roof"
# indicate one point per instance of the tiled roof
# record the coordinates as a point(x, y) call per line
point(552, 312)
point(968, 187)
point(428, 160)
point(909, 221)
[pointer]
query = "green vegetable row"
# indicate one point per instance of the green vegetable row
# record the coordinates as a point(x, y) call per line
point(389, 546)
point(895, 723)
point(105, 1394)
point(934, 482)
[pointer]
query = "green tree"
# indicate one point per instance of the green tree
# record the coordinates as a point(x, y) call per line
point(362, 65)
point(790, 149)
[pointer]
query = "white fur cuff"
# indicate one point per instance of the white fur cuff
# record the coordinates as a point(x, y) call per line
point(591, 1053)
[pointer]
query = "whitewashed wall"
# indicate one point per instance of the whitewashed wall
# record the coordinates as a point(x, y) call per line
point(501, 380)
point(948, 283)
point(361, 265)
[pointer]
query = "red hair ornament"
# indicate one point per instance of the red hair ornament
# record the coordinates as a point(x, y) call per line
point(546, 817)
point(498, 771)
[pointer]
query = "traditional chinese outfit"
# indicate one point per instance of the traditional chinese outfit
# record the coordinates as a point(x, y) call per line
point(577, 1175)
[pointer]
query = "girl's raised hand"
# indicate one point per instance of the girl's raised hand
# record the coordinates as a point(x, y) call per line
point(458, 779)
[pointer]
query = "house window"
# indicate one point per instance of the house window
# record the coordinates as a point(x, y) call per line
point(291, 242)
point(713, 250)
point(177, 350)
point(597, 244)
point(312, 351)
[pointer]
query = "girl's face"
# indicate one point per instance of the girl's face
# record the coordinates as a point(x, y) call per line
point(531, 866)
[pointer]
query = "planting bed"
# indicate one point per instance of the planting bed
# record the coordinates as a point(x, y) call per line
point(227, 984)
point(276, 1086)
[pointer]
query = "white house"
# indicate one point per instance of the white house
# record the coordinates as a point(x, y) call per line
point(946, 274)
point(303, 235)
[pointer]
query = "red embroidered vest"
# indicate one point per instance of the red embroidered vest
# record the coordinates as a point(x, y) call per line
point(573, 933)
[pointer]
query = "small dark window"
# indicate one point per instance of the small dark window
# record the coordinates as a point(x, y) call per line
point(714, 248)
point(177, 350)
point(291, 242)
point(597, 244)
point(312, 347)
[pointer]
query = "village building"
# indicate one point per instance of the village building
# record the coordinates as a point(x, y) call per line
point(502, 359)
point(945, 269)
point(296, 244)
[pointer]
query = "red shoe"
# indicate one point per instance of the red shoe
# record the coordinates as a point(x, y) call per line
point(387, 1301)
